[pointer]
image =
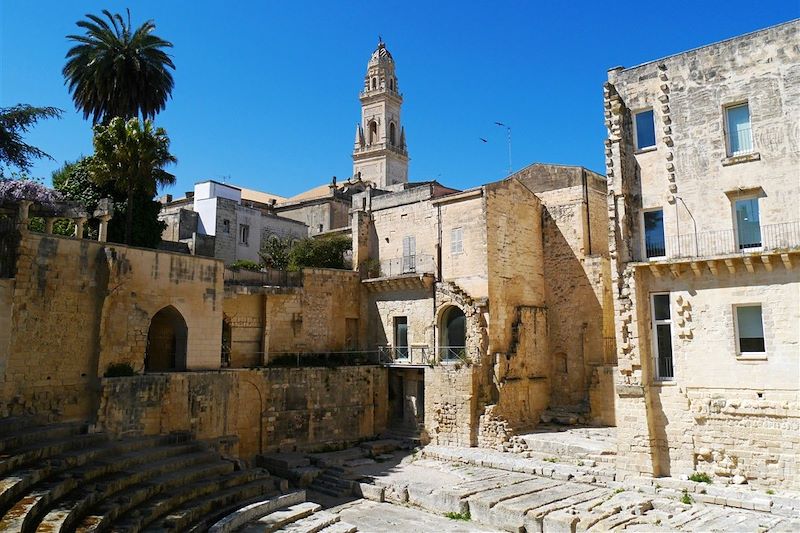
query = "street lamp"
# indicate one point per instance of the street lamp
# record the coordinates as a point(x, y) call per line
point(508, 130)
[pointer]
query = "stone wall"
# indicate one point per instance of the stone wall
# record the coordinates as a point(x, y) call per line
point(324, 315)
point(266, 409)
point(79, 305)
point(451, 405)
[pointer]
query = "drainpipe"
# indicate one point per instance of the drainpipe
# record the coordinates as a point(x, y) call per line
point(585, 184)
point(438, 270)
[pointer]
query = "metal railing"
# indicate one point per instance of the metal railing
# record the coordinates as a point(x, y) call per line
point(725, 242)
point(267, 277)
point(413, 355)
point(408, 264)
point(424, 355)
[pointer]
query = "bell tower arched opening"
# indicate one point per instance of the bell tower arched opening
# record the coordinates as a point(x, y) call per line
point(166, 342)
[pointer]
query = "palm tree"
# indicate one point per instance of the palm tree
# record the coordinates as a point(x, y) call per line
point(116, 71)
point(132, 156)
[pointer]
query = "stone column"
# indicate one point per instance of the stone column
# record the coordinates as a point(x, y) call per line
point(102, 234)
point(79, 223)
point(48, 225)
point(22, 213)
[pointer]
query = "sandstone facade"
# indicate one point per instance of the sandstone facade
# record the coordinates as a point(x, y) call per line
point(703, 211)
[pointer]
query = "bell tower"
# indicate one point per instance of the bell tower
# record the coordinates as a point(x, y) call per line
point(380, 154)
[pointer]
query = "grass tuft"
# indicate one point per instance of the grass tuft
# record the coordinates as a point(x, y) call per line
point(700, 477)
point(459, 516)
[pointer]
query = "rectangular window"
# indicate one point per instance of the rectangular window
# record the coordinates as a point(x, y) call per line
point(456, 241)
point(654, 244)
point(750, 329)
point(740, 137)
point(662, 336)
point(409, 254)
point(244, 234)
point(748, 223)
point(644, 128)
point(226, 226)
point(401, 337)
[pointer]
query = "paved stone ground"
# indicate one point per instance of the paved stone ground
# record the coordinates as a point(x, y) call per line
point(511, 500)
point(370, 516)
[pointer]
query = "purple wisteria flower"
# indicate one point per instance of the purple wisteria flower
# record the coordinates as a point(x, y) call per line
point(13, 191)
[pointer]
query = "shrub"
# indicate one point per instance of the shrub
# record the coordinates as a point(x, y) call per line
point(119, 370)
point(245, 264)
point(459, 516)
point(700, 477)
point(686, 498)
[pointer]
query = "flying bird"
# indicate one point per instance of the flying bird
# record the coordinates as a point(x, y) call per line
point(484, 140)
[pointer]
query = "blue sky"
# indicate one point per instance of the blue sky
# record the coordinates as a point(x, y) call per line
point(266, 93)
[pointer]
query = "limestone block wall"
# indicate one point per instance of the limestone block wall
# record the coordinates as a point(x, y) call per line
point(724, 413)
point(6, 303)
point(141, 283)
point(451, 404)
point(415, 305)
point(53, 319)
point(266, 409)
point(246, 315)
point(468, 268)
point(78, 306)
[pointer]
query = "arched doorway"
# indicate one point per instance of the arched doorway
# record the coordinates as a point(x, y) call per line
point(373, 132)
point(453, 330)
point(166, 341)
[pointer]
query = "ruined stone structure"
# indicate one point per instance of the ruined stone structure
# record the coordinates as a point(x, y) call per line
point(457, 299)
point(702, 161)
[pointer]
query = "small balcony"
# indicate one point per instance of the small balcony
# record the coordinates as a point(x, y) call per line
point(421, 355)
point(408, 272)
point(770, 238)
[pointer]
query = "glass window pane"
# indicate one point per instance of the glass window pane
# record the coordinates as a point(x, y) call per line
point(661, 306)
point(645, 129)
point(751, 328)
point(664, 347)
point(748, 224)
point(654, 233)
point(739, 133)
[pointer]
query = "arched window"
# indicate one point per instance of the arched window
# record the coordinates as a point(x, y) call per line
point(391, 134)
point(373, 132)
point(166, 341)
point(453, 335)
point(374, 83)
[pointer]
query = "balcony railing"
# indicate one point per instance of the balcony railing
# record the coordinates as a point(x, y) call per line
point(413, 355)
point(408, 264)
point(725, 242)
point(423, 355)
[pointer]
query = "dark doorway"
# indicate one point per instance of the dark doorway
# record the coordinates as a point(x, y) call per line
point(166, 342)
point(454, 334)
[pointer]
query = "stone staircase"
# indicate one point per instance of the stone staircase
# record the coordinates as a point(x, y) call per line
point(61, 478)
point(590, 446)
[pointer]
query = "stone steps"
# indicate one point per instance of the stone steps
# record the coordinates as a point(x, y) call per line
point(312, 524)
point(29, 509)
point(64, 515)
point(277, 519)
point(126, 500)
point(59, 478)
point(210, 507)
point(142, 516)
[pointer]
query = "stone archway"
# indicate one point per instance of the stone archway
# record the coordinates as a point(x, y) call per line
point(453, 338)
point(166, 341)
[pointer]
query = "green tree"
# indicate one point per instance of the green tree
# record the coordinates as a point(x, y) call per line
point(115, 70)
point(131, 156)
point(321, 252)
point(275, 253)
point(14, 121)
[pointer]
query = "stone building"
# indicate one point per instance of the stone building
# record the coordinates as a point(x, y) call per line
point(226, 222)
point(474, 298)
point(702, 161)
